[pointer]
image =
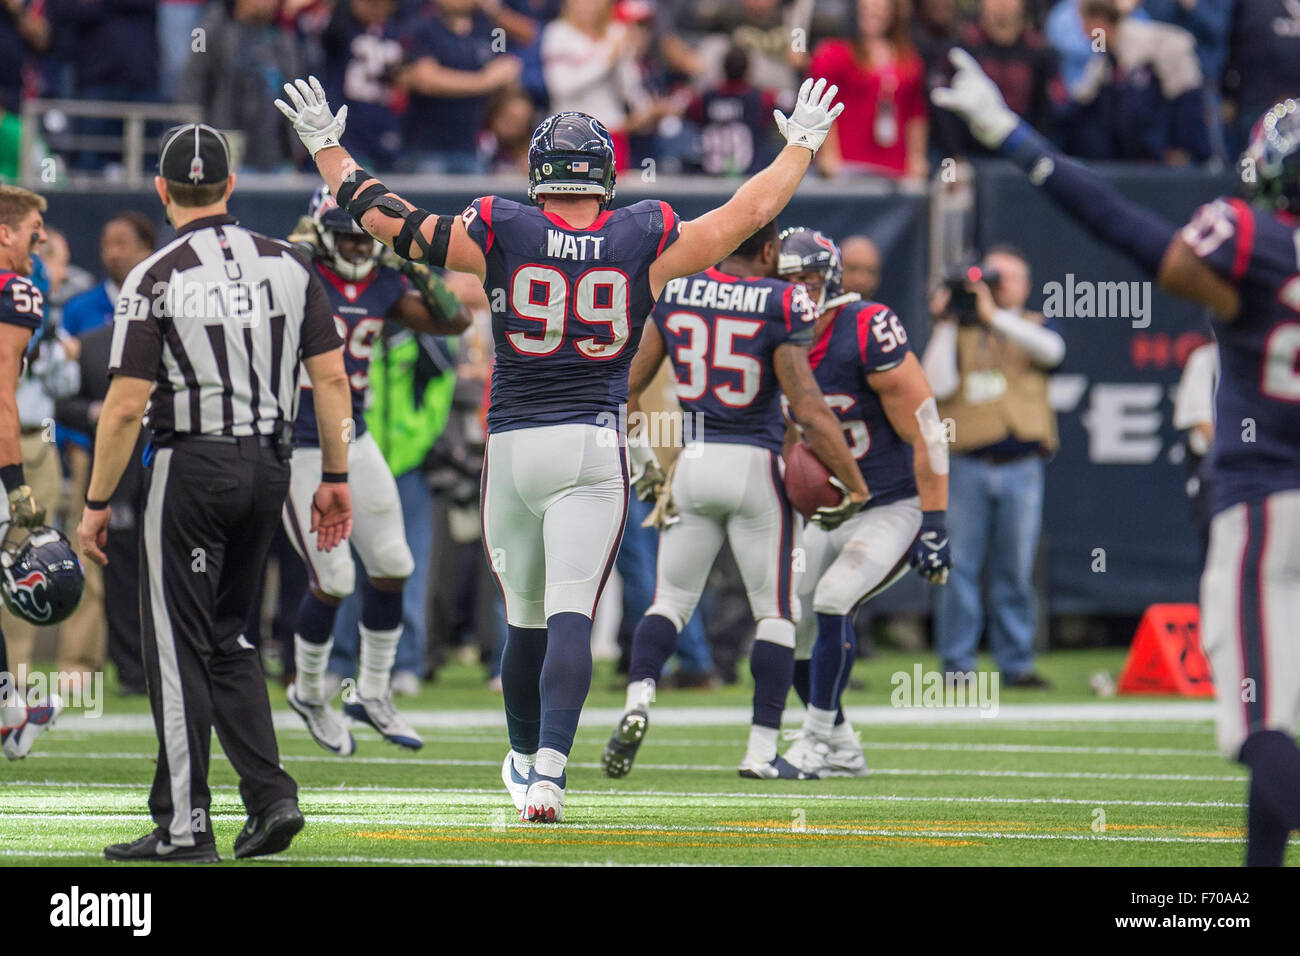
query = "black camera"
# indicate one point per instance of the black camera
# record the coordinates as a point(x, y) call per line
point(961, 304)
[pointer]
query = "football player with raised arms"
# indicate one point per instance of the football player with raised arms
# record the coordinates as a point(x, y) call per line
point(862, 361)
point(738, 340)
point(363, 293)
point(1240, 257)
point(571, 281)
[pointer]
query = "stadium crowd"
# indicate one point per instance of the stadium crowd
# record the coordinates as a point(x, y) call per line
point(457, 85)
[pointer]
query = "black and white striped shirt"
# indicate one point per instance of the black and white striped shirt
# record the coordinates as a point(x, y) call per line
point(220, 319)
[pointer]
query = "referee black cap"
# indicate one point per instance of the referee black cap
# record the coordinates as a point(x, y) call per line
point(195, 154)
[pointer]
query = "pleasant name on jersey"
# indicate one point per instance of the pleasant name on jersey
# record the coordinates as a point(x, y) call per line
point(711, 294)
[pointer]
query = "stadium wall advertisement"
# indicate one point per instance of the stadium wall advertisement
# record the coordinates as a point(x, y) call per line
point(1117, 529)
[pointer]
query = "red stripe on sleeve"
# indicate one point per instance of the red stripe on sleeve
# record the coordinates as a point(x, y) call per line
point(864, 327)
point(1245, 237)
point(485, 213)
point(787, 301)
point(670, 220)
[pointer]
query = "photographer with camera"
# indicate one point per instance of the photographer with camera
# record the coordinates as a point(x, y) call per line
point(988, 361)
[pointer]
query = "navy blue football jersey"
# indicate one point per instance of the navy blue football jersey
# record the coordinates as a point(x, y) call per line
point(360, 307)
point(1257, 408)
point(720, 333)
point(21, 303)
point(568, 307)
point(865, 337)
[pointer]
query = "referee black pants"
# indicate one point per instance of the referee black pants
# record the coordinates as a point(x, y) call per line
point(209, 515)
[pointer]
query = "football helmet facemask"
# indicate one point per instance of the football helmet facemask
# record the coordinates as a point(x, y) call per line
point(571, 154)
point(41, 579)
point(1273, 156)
point(331, 222)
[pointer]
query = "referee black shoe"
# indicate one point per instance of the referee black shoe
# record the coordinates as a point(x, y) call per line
point(154, 848)
point(270, 831)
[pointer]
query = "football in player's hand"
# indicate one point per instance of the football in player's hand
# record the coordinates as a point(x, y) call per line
point(808, 481)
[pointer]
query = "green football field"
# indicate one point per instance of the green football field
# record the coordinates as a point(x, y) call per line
point(1057, 777)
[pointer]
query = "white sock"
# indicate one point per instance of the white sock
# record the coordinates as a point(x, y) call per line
point(13, 715)
point(820, 723)
point(762, 743)
point(310, 661)
point(378, 652)
point(844, 735)
point(639, 694)
point(550, 763)
point(523, 762)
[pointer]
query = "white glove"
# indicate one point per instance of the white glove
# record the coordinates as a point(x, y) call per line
point(812, 117)
point(310, 115)
point(977, 100)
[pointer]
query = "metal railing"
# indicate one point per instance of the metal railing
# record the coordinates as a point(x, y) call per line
point(35, 172)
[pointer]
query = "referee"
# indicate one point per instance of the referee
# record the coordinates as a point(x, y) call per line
point(214, 324)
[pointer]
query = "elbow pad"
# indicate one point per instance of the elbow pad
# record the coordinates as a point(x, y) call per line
point(932, 433)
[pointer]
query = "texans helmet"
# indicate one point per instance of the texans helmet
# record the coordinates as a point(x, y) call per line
point(331, 221)
point(1273, 156)
point(571, 154)
point(807, 250)
point(41, 579)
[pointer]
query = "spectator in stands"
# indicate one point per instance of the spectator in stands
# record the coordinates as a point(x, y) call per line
point(882, 85)
point(113, 46)
point(988, 368)
point(763, 29)
point(249, 56)
point(1015, 57)
point(126, 240)
point(1209, 22)
point(363, 53)
point(588, 65)
point(503, 146)
point(522, 21)
point(24, 32)
point(1140, 97)
point(735, 121)
point(1264, 62)
point(861, 262)
point(934, 33)
point(66, 279)
point(177, 20)
point(452, 65)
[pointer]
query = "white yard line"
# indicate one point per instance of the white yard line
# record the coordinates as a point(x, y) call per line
point(604, 717)
point(710, 768)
